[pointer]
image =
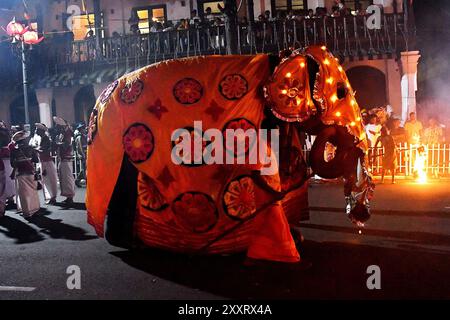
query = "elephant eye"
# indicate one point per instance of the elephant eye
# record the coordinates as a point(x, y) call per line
point(341, 90)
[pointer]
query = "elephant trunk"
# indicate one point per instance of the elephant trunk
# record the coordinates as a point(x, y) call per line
point(348, 162)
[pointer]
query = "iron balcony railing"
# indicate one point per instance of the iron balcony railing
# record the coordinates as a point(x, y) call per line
point(347, 36)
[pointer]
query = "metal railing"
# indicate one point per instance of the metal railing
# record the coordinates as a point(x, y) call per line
point(345, 36)
point(436, 159)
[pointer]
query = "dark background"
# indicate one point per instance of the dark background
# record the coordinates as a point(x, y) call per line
point(433, 41)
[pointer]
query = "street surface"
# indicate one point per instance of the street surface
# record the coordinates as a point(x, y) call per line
point(408, 237)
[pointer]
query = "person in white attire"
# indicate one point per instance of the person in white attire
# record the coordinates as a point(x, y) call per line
point(43, 145)
point(23, 160)
point(65, 157)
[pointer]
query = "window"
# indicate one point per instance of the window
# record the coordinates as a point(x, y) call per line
point(147, 14)
point(214, 5)
point(82, 24)
point(353, 4)
point(288, 5)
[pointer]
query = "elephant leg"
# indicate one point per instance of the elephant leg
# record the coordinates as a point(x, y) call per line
point(122, 207)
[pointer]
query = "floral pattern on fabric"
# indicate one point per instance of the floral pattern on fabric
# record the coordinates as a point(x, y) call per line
point(188, 91)
point(240, 139)
point(157, 109)
point(93, 126)
point(108, 91)
point(131, 92)
point(149, 195)
point(233, 86)
point(138, 142)
point(239, 198)
point(195, 211)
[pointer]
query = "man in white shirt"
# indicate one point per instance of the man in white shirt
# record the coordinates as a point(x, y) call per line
point(373, 130)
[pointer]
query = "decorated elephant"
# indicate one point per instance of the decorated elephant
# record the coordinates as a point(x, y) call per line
point(139, 191)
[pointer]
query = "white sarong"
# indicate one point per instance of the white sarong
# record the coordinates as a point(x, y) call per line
point(66, 179)
point(28, 194)
point(50, 179)
point(10, 187)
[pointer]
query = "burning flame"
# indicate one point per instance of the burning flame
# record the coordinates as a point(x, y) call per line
point(419, 165)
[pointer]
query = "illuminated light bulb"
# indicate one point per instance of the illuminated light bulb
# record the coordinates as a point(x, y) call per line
point(330, 80)
point(358, 119)
point(352, 103)
point(288, 75)
point(340, 69)
point(323, 48)
point(302, 64)
point(334, 98)
point(360, 232)
point(352, 124)
point(338, 114)
point(326, 61)
point(284, 91)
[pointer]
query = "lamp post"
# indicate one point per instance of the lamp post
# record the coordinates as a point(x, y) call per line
point(26, 36)
point(25, 83)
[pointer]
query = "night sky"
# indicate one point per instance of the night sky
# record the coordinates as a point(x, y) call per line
point(433, 41)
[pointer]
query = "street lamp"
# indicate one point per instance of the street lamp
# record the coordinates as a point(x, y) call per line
point(25, 35)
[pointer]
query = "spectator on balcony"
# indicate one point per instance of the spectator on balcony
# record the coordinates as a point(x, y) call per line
point(359, 11)
point(89, 35)
point(168, 26)
point(433, 134)
point(310, 14)
point(195, 19)
point(209, 17)
point(413, 129)
point(134, 22)
point(183, 25)
point(267, 16)
point(339, 4)
point(335, 12)
point(291, 15)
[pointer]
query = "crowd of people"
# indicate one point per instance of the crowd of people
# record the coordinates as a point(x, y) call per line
point(385, 130)
point(27, 165)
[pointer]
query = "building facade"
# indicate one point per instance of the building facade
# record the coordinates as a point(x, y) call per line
point(89, 43)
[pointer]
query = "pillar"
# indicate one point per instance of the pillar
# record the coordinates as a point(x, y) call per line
point(230, 12)
point(44, 97)
point(409, 61)
point(64, 100)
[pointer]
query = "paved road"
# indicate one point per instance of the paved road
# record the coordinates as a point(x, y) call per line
point(408, 238)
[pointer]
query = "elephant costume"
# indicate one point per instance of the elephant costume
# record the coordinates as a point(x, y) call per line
point(196, 207)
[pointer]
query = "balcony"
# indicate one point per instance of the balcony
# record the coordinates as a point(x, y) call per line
point(348, 37)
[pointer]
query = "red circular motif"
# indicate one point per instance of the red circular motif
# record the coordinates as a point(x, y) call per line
point(239, 198)
point(131, 92)
point(233, 86)
point(138, 142)
point(92, 128)
point(244, 124)
point(108, 91)
point(149, 195)
point(188, 91)
point(195, 211)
